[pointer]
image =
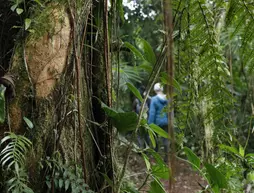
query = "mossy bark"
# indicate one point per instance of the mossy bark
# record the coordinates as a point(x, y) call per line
point(54, 111)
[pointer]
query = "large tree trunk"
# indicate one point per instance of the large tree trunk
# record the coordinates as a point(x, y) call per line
point(56, 94)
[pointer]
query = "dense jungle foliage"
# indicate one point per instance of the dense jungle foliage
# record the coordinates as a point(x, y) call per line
point(71, 69)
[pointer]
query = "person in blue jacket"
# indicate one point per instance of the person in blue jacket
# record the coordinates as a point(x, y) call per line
point(157, 115)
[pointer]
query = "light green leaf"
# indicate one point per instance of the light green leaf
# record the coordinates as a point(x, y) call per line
point(16, 27)
point(161, 171)
point(29, 123)
point(27, 23)
point(135, 91)
point(37, 1)
point(149, 54)
point(151, 136)
point(229, 149)
point(19, 11)
point(7, 137)
point(60, 183)
point(215, 177)
point(147, 162)
point(109, 111)
point(241, 151)
point(2, 103)
point(147, 67)
point(250, 155)
point(156, 187)
point(250, 176)
point(157, 157)
point(16, 168)
point(159, 130)
point(192, 157)
point(14, 7)
point(134, 50)
point(31, 30)
point(165, 79)
point(48, 184)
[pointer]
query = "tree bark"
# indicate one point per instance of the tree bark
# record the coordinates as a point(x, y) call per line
point(168, 23)
point(47, 94)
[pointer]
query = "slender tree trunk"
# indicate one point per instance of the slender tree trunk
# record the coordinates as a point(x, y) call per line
point(168, 22)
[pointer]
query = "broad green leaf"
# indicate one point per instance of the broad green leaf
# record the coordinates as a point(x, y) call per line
point(156, 187)
point(161, 171)
point(126, 121)
point(31, 30)
point(229, 149)
point(151, 136)
point(250, 176)
point(148, 68)
point(159, 130)
point(19, 11)
point(215, 177)
point(135, 91)
point(29, 123)
point(165, 79)
point(249, 155)
point(109, 111)
point(216, 189)
point(147, 162)
point(27, 23)
point(241, 151)
point(134, 50)
point(28, 190)
point(2, 103)
point(48, 184)
point(60, 183)
point(149, 54)
point(14, 7)
point(156, 156)
point(192, 157)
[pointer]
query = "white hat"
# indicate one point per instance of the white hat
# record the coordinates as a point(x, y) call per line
point(157, 87)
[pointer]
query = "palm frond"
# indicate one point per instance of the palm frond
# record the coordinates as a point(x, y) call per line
point(15, 150)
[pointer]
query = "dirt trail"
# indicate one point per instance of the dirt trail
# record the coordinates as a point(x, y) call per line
point(186, 180)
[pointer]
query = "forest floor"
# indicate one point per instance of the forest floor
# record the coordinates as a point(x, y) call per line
point(186, 180)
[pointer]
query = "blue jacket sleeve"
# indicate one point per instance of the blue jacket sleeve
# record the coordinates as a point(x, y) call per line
point(151, 118)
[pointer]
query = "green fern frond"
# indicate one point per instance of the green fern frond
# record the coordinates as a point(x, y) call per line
point(18, 183)
point(15, 150)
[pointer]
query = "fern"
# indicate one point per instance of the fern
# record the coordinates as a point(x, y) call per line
point(12, 159)
point(202, 68)
point(19, 182)
point(15, 150)
point(208, 35)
